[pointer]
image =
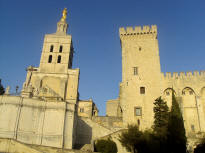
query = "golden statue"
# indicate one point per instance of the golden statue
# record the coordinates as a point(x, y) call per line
point(64, 15)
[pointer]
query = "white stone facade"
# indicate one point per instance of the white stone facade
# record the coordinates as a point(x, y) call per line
point(37, 122)
point(49, 112)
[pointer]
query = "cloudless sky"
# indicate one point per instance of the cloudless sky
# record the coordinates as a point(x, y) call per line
point(94, 26)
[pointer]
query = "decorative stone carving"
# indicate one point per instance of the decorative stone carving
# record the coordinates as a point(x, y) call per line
point(36, 92)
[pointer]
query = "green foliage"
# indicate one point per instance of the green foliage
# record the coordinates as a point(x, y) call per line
point(137, 141)
point(1, 88)
point(168, 134)
point(106, 146)
point(176, 131)
point(161, 116)
point(130, 138)
point(200, 148)
point(160, 127)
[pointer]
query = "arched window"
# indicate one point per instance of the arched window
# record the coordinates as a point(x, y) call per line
point(50, 59)
point(188, 91)
point(60, 49)
point(203, 92)
point(59, 59)
point(168, 92)
point(51, 48)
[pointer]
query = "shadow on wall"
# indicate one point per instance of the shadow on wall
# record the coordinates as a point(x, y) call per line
point(84, 134)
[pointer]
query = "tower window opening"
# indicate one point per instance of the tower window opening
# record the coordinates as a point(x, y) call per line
point(82, 110)
point(59, 59)
point(51, 48)
point(138, 111)
point(135, 70)
point(61, 49)
point(183, 92)
point(191, 92)
point(140, 48)
point(142, 90)
point(192, 128)
point(50, 59)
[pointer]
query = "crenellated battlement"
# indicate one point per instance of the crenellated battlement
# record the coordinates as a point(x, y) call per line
point(138, 30)
point(183, 75)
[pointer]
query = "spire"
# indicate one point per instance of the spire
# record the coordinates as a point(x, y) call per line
point(62, 25)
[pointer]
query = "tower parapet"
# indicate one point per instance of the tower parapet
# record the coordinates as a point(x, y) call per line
point(183, 75)
point(138, 30)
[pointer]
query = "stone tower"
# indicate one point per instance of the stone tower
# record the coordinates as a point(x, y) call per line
point(55, 78)
point(140, 84)
point(57, 53)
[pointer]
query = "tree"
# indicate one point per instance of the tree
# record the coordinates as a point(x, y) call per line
point(106, 146)
point(130, 138)
point(137, 141)
point(160, 127)
point(200, 148)
point(1, 88)
point(168, 134)
point(161, 116)
point(176, 131)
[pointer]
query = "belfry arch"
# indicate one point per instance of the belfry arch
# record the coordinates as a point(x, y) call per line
point(202, 92)
point(167, 96)
point(203, 98)
point(188, 91)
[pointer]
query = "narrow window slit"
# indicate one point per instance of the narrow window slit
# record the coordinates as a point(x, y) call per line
point(60, 49)
point(59, 59)
point(51, 48)
point(50, 59)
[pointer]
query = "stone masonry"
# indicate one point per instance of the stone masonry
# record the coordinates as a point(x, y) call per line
point(49, 114)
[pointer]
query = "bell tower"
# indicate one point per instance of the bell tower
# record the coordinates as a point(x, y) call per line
point(57, 52)
point(54, 79)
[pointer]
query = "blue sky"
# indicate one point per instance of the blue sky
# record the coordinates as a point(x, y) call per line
point(94, 26)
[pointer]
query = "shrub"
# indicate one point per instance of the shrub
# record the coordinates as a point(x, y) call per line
point(106, 146)
point(200, 148)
